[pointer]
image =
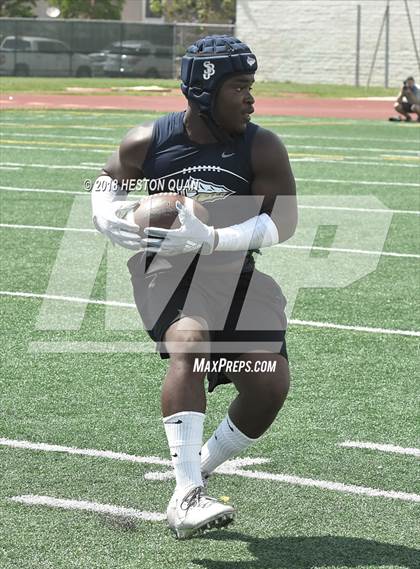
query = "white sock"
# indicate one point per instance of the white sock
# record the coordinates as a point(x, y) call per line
point(226, 442)
point(184, 432)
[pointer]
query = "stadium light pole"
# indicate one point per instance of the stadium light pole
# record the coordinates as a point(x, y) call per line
point(358, 35)
point(387, 45)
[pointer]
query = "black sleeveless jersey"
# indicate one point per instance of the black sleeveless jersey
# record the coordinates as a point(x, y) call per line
point(218, 175)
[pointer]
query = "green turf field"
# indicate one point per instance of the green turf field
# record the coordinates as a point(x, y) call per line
point(305, 501)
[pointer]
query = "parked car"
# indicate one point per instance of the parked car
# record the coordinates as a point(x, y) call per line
point(132, 58)
point(39, 56)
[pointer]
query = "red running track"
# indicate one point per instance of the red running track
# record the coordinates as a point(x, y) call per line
point(296, 106)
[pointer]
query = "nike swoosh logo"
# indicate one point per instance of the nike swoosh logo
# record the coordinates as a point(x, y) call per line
point(230, 426)
point(177, 422)
point(227, 155)
point(175, 455)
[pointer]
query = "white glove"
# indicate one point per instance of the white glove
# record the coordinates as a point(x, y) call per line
point(111, 223)
point(192, 236)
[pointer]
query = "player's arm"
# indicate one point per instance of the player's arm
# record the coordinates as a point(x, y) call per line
point(401, 96)
point(275, 183)
point(110, 190)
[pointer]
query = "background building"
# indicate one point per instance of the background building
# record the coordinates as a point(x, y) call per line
point(314, 41)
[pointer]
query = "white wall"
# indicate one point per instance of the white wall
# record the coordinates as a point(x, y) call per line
point(314, 41)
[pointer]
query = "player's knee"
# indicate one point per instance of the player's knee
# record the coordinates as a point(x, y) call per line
point(186, 339)
point(276, 388)
point(188, 344)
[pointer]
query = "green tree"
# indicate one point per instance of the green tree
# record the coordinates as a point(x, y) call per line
point(203, 11)
point(17, 8)
point(90, 9)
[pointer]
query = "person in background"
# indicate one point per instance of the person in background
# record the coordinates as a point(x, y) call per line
point(408, 100)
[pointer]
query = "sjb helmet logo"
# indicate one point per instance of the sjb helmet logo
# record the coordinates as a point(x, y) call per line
point(209, 69)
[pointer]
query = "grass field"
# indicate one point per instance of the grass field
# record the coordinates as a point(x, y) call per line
point(305, 500)
point(261, 88)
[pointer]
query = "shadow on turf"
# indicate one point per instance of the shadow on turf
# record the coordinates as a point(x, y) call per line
point(307, 552)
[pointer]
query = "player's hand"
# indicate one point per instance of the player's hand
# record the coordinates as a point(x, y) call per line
point(192, 236)
point(111, 222)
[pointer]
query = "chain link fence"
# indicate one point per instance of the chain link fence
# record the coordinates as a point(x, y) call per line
point(95, 48)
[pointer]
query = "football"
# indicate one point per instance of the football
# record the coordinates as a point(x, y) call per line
point(159, 210)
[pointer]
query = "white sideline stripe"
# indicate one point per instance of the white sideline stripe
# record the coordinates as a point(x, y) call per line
point(326, 485)
point(46, 228)
point(10, 168)
point(361, 182)
point(354, 328)
point(84, 452)
point(382, 447)
point(291, 321)
point(35, 500)
point(283, 246)
point(353, 251)
point(301, 206)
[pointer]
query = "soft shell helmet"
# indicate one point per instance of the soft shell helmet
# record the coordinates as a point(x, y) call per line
point(207, 62)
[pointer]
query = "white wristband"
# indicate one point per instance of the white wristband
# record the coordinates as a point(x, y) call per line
point(256, 232)
point(105, 190)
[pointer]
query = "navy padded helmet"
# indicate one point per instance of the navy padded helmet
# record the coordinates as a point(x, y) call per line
point(207, 62)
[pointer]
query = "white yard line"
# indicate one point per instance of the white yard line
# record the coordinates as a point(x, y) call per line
point(352, 148)
point(45, 228)
point(42, 190)
point(83, 137)
point(27, 445)
point(351, 251)
point(359, 182)
point(67, 299)
point(301, 206)
point(57, 126)
point(292, 321)
point(82, 166)
point(283, 246)
point(84, 505)
point(115, 139)
point(346, 162)
point(326, 485)
point(316, 159)
point(231, 468)
point(56, 148)
point(354, 138)
point(411, 451)
point(359, 209)
point(367, 329)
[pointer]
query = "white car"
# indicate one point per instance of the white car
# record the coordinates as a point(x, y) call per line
point(38, 56)
point(132, 58)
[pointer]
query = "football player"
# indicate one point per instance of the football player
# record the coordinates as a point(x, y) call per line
point(196, 287)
